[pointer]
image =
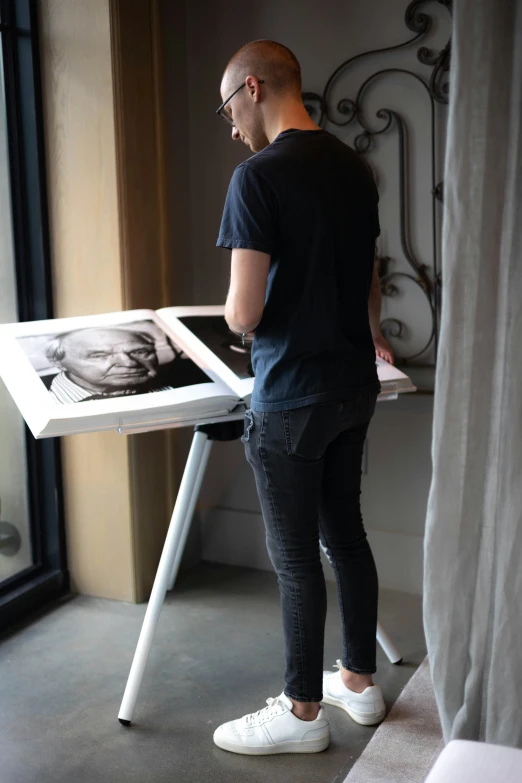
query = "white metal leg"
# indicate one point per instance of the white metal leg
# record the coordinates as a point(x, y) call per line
point(389, 649)
point(170, 549)
point(190, 512)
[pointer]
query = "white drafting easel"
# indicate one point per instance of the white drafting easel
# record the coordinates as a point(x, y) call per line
point(222, 428)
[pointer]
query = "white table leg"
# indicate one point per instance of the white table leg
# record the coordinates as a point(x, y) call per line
point(168, 556)
point(190, 512)
point(389, 648)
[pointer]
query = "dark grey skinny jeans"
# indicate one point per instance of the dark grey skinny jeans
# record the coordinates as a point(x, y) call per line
point(307, 466)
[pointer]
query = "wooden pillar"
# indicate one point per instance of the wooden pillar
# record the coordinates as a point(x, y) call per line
point(104, 128)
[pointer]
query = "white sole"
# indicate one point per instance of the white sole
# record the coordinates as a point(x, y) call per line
point(365, 719)
point(304, 746)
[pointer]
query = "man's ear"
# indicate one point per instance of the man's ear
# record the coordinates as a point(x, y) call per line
point(253, 88)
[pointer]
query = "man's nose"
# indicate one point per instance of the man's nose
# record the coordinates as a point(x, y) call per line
point(235, 133)
point(126, 360)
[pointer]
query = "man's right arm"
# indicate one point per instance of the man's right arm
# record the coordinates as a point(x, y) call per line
point(382, 346)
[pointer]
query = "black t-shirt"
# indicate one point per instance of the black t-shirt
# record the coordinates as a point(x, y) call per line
point(310, 202)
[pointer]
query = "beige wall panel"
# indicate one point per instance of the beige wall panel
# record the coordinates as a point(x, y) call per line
point(98, 515)
point(83, 210)
point(81, 157)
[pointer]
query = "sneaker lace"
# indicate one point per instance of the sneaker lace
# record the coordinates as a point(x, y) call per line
point(265, 712)
point(338, 664)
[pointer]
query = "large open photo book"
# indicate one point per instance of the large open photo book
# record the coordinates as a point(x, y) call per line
point(134, 370)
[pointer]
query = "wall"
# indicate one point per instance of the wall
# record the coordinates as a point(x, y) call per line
point(173, 17)
point(322, 35)
point(177, 130)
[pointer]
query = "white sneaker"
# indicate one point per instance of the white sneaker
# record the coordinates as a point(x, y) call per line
point(366, 708)
point(274, 729)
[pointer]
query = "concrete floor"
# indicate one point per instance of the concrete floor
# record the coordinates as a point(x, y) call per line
point(218, 654)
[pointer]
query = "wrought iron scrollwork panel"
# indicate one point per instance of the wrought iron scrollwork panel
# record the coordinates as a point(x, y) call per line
point(352, 111)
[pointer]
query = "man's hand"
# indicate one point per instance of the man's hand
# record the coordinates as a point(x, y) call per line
point(383, 349)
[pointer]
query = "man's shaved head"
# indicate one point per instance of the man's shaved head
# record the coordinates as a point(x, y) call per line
point(261, 91)
point(267, 60)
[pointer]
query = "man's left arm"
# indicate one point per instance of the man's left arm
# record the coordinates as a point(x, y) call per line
point(382, 346)
point(246, 295)
point(248, 229)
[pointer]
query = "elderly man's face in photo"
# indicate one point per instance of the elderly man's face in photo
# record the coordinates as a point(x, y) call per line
point(108, 359)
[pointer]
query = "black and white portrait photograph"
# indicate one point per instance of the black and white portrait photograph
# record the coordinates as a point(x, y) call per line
point(101, 362)
point(213, 331)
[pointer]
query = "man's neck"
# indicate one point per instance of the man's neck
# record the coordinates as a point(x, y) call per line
point(299, 119)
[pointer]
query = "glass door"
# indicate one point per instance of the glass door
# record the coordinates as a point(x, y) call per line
point(15, 533)
point(32, 550)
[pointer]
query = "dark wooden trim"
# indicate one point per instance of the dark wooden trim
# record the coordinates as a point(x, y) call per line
point(144, 242)
point(137, 155)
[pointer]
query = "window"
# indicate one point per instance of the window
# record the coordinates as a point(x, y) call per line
point(32, 551)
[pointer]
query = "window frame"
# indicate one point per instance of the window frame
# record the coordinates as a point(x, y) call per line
point(47, 578)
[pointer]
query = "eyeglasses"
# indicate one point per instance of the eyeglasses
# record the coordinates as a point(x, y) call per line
point(225, 115)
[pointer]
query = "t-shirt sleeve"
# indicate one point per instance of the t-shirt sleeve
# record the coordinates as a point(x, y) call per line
point(250, 214)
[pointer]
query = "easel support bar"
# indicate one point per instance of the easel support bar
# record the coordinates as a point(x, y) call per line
point(163, 574)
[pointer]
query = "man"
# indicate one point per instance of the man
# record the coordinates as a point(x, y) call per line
point(97, 363)
point(301, 220)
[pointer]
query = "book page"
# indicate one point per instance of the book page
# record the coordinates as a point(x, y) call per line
point(92, 372)
point(204, 335)
point(392, 379)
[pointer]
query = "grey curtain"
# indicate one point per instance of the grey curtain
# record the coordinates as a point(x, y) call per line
point(473, 545)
